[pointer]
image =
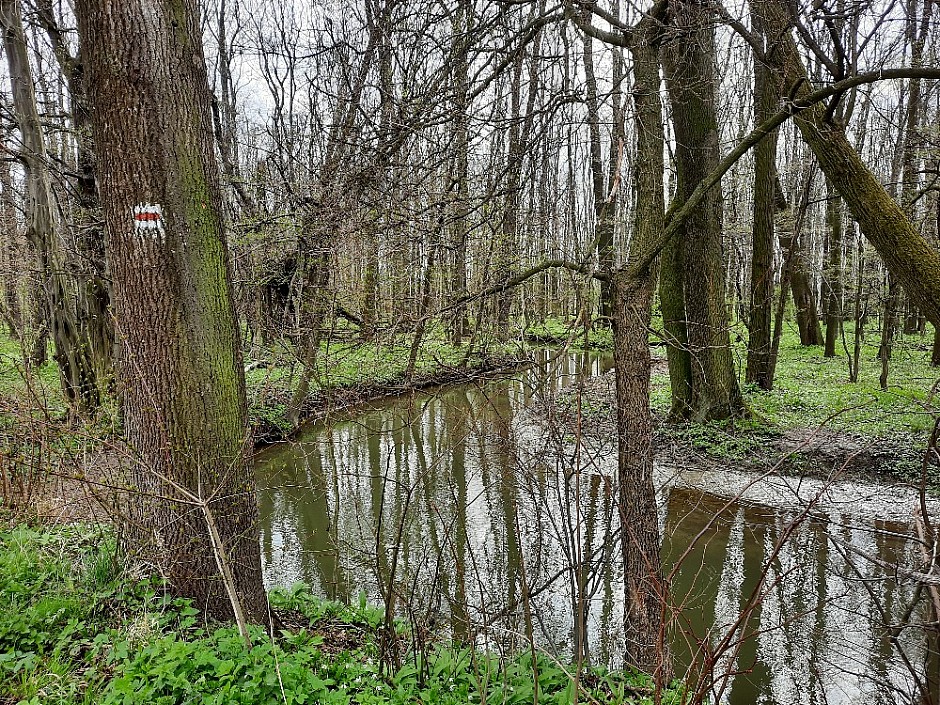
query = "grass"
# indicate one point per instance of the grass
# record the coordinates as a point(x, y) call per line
point(559, 331)
point(75, 628)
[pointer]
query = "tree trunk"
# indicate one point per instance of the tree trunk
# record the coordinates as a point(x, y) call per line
point(935, 353)
point(632, 296)
point(604, 194)
point(804, 299)
point(62, 307)
point(833, 279)
point(672, 303)
point(889, 325)
point(9, 254)
point(460, 323)
point(766, 96)
point(690, 72)
point(180, 367)
point(314, 300)
point(94, 306)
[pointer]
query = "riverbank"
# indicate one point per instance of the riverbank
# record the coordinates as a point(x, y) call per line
point(813, 422)
point(361, 374)
point(76, 627)
point(346, 374)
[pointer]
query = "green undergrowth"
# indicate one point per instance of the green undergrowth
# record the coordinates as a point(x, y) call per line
point(812, 393)
point(76, 628)
point(17, 380)
point(272, 375)
point(811, 389)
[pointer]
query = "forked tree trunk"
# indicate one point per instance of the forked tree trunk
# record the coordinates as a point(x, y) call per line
point(181, 368)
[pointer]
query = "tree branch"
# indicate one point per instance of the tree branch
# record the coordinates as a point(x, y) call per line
point(756, 135)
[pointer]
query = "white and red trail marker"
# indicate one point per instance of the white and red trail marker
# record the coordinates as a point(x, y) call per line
point(148, 219)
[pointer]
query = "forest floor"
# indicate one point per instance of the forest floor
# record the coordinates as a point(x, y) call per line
point(76, 627)
point(814, 421)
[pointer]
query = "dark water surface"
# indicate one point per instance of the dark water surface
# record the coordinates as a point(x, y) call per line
point(458, 494)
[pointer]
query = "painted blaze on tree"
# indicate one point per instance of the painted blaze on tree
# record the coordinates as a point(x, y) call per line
point(180, 372)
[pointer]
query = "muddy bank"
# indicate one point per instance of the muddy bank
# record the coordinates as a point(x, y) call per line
point(756, 445)
point(271, 428)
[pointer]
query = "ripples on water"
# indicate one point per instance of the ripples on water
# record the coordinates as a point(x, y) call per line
point(440, 486)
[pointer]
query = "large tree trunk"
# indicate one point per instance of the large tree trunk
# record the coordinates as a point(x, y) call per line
point(645, 597)
point(63, 312)
point(907, 254)
point(690, 73)
point(672, 304)
point(180, 369)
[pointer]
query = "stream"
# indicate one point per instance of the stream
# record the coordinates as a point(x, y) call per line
point(481, 512)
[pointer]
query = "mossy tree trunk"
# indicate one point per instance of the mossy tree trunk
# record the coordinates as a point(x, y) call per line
point(690, 69)
point(766, 96)
point(180, 368)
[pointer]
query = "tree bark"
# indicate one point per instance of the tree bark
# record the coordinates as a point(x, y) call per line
point(645, 597)
point(690, 73)
point(804, 298)
point(833, 279)
point(90, 266)
point(9, 254)
point(766, 96)
point(180, 368)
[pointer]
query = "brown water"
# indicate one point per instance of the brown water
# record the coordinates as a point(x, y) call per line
point(448, 492)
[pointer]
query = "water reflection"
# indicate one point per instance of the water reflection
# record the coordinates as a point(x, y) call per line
point(432, 505)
